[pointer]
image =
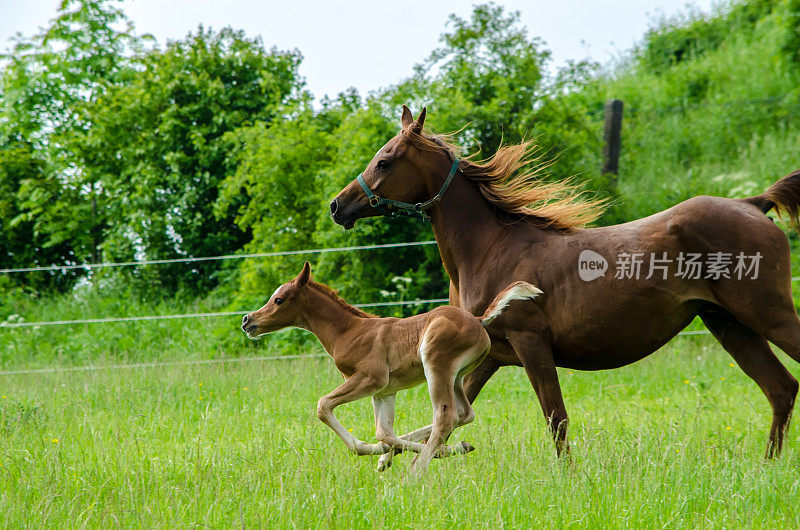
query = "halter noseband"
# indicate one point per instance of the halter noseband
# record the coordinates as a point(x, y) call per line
point(417, 210)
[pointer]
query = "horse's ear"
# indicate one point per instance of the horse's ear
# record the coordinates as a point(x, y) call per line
point(417, 127)
point(407, 118)
point(304, 275)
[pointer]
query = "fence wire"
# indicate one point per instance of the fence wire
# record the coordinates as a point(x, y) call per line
point(192, 315)
point(86, 266)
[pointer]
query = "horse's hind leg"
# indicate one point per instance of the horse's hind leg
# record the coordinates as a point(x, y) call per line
point(477, 378)
point(445, 417)
point(754, 356)
point(466, 414)
point(779, 324)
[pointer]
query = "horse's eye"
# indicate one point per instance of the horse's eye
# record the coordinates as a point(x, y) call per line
point(383, 165)
point(278, 301)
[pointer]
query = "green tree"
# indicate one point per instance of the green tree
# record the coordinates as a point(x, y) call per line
point(22, 237)
point(47, 82)
point(290, 170)
point(488, 81)
point(51, 75)
point(158, 147)
point(485, 76)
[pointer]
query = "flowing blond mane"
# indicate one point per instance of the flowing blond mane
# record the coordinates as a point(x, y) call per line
point(513, 180)
point(333, 295)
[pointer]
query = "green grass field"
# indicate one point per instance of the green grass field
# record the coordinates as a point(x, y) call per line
point(673, 441)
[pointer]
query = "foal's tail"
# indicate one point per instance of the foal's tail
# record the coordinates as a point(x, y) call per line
point(784, 196)
point(515, 291)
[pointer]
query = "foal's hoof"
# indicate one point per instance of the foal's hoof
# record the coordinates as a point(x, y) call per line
point(465, 448)
point(456, 449)
point(384, 464)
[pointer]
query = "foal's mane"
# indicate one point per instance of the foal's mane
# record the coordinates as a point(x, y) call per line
point(560, 205)
point(330, 293)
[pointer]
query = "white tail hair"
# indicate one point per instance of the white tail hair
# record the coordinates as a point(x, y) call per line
point(515, 291)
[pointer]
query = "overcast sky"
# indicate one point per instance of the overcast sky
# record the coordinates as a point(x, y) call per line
point(371, 44)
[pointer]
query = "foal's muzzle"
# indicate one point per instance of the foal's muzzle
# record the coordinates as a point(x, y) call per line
point(247, 325)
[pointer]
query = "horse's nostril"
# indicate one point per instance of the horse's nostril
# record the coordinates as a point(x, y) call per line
point(334, 206)
point(245, 320)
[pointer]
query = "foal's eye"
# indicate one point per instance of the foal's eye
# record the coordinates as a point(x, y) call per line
point(278, 301)
point(383, 165)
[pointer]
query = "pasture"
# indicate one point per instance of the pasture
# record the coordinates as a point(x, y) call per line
point(184, 422)
point(675, 440)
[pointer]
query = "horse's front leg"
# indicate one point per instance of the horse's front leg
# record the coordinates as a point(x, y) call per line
point(357, 387)
point(536, 356)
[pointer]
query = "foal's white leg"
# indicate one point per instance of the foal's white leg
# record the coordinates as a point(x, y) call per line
point(420, 435)
point(355, 388)
point(466, 415)
point(383, 408)
point(384, 429)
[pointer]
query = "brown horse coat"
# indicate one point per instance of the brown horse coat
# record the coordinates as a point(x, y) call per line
point(488, 237)
point(380, 356)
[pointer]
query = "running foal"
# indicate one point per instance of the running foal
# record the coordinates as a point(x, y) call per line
point(380, 356)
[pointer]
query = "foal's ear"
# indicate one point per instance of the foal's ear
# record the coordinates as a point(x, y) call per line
point(416, 128)
point(304, 275)
point(407, 118)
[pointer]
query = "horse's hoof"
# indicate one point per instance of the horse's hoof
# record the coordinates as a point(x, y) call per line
point(466, 447)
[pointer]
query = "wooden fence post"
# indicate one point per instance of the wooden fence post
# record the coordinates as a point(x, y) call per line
point(612, 137)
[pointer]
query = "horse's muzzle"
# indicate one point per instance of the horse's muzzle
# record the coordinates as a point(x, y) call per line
point(343, 217)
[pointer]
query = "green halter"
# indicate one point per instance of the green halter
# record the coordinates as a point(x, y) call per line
point(405, 208)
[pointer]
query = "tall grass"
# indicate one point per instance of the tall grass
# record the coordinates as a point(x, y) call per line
point(675, 440)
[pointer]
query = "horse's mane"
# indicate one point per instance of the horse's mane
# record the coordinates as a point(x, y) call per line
point(330, 293)
point(561, 205)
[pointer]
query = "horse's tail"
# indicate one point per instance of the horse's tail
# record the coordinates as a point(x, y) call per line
point(515, 291)
point(784, 196)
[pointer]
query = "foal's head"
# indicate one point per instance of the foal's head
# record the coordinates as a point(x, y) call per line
point(283, 309)
point(402, 170)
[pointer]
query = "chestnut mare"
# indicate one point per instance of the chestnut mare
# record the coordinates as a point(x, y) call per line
point(494, 225)
point(380, 356)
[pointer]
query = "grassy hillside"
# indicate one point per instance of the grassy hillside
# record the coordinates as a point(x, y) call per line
point(712, 106)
